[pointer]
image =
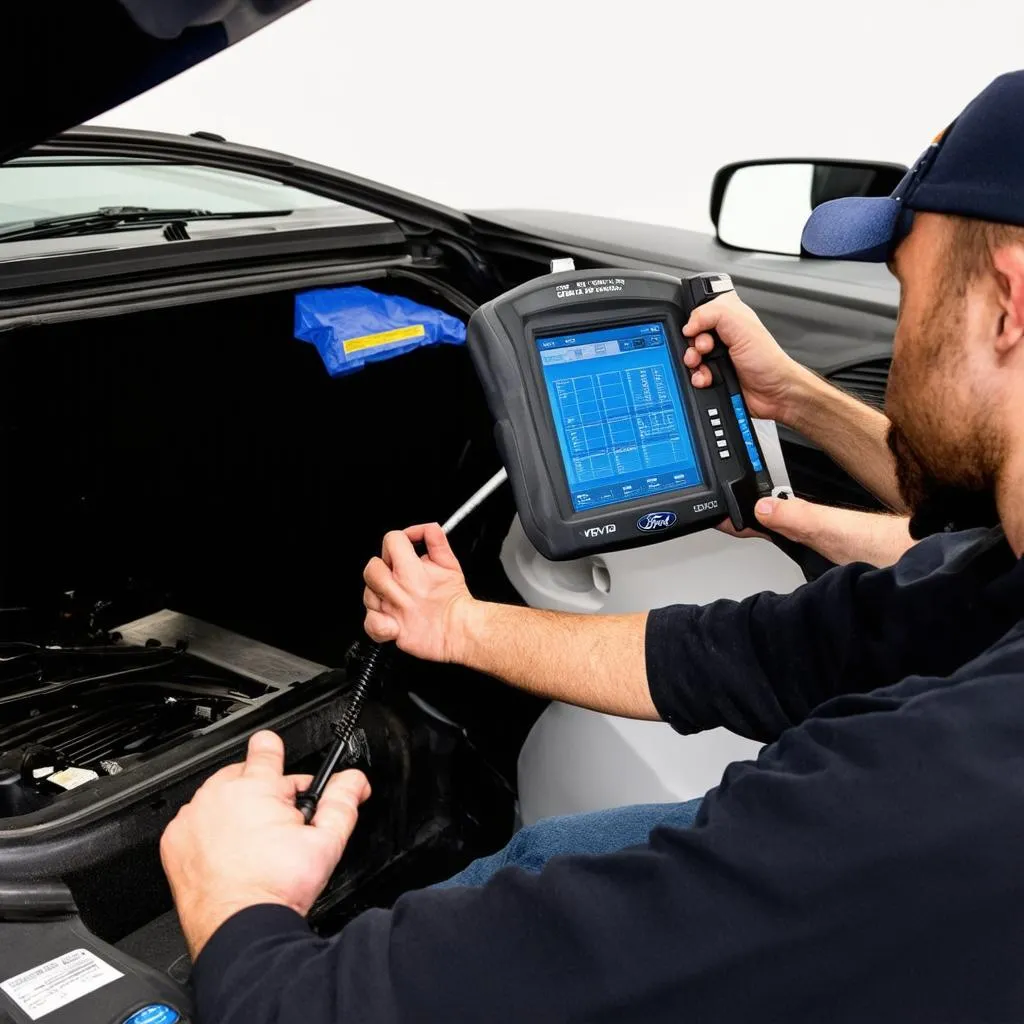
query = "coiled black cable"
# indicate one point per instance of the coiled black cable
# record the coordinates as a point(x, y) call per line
point(308, 799)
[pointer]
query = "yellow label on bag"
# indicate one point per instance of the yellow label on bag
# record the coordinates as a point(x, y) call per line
point(383, 338)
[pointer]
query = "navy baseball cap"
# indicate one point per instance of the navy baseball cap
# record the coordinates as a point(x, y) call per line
point(975, 168)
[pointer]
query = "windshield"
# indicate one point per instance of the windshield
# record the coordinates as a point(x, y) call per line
point(32, 188)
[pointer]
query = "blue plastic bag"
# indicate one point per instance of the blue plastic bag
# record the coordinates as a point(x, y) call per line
point(351, 327)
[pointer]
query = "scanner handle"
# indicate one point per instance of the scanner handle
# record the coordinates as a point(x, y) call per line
point(704, 288)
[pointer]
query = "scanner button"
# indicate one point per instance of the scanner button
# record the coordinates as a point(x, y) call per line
point(719, 433)
point(723, 455)
point(716, 423)
point(712, 412)
point(722, 444)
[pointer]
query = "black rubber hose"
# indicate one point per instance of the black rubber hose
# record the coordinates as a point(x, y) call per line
point(308, 799)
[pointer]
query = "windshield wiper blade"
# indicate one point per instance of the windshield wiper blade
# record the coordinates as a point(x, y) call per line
point(106, 218)
point(118, 218)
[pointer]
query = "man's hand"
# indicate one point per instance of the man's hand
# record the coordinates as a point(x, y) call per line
point(766, 374)
point(419, 602)
point(241, 841)
point(777, 387)
point(842, 535)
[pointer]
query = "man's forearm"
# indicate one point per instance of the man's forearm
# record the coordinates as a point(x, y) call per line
point(850, 431)
point(595, 661)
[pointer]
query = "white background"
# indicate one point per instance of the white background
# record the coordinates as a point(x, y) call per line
point(624, 109)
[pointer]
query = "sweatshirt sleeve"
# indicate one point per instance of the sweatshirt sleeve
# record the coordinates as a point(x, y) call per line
point(761, 665)
point(801, 894)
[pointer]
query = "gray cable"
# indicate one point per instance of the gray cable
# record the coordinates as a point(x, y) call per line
point(481, 495)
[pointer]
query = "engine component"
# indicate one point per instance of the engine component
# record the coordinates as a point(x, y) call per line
point(74, 716)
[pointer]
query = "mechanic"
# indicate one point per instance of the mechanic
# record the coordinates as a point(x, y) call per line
point(868, 865)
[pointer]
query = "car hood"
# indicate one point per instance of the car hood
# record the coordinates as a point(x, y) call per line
point(64, 63)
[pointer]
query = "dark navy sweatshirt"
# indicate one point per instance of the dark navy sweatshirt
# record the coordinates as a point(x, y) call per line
point(868, 866)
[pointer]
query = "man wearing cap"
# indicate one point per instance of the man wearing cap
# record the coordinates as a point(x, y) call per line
point(868, 866)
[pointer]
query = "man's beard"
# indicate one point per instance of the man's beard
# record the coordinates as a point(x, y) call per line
point(946, 456)
point(936, 505)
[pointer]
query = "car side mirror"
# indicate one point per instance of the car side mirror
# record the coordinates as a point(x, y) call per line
point(762, 205)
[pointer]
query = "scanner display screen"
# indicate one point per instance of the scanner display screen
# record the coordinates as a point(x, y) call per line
point(622, 430)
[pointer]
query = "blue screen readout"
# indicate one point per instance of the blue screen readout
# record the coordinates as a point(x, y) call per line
point(618, 414)
point(747, 431)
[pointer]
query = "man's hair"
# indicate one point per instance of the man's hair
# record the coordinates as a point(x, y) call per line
point(972, 244)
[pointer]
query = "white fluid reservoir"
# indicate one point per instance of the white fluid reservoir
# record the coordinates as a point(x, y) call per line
point(576, 760)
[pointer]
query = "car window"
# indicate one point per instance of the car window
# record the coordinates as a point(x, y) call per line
point(33, 188)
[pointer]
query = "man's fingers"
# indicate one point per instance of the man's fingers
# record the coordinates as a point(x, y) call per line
point(701, 377)
point(380, 627)
point(433, 537)
point(295, 784)
point(703, 318)
point(794, 518)
point(371, 600)
point(725, 526)
point(707, 317)
point(380, 579)
point(398, 552)
point(701, 347)
point(265, 758)
point(767, 512)
point(338, 810)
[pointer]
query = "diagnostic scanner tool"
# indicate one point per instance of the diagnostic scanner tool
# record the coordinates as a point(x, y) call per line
point(607, 443)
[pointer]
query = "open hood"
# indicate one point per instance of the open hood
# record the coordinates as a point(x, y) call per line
point(63, 63)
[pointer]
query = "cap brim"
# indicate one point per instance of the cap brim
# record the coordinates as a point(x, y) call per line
point(856, 228)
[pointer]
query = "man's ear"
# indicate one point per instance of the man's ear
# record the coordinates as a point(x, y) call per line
point(1008, 261)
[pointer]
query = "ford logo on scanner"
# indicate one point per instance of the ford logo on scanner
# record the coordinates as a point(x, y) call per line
point(656, 521)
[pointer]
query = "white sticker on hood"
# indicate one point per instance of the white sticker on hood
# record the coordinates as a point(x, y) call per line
point(48, 987)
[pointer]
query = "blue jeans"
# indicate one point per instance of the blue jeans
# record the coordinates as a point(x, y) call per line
point(597, 832)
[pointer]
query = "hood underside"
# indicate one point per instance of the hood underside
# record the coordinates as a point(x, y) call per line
point(69, 62)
